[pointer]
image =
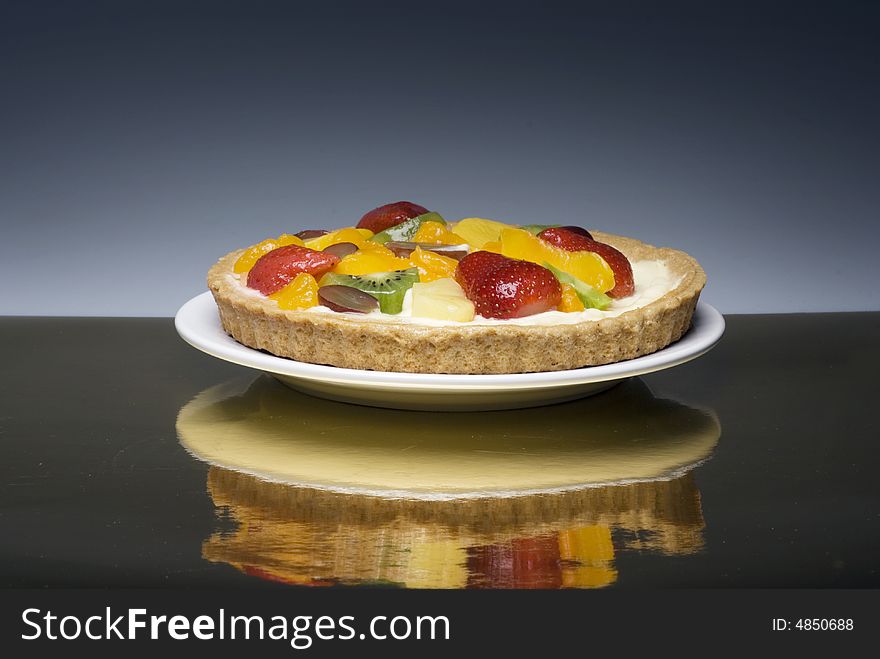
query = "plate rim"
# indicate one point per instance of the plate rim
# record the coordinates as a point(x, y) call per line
point(707, 328)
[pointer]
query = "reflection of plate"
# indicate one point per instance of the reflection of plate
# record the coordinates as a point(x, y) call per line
point(624, 435)
point(198, 323)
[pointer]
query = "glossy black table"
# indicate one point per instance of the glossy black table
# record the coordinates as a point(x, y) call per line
point(99, 488)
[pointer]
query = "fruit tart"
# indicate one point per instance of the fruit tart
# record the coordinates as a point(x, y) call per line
point(405, 290)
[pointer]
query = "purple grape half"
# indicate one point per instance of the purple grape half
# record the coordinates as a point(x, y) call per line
point(308, 234)
point(341, 249)
point(347, 299)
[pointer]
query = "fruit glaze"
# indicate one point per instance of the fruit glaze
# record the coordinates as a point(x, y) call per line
point(403, 263)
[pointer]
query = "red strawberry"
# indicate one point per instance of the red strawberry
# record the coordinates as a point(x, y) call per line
point(273, 271)
point(390, 215)
point(565, 238)
point(579, 230)
point(501, 287)
point(474, 268)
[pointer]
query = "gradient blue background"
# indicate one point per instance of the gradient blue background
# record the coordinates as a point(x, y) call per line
point(139, 141)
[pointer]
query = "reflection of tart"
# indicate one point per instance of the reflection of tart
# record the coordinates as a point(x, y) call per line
point(519, 299)
point(311, 537)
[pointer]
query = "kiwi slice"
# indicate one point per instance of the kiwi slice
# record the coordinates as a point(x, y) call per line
point(406, 229)
point(591, 298)
point(387, 287)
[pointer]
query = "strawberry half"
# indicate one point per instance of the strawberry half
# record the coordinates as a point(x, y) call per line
point(275, 270)
point(565, 238)
point(474, 268)
point(578, 230)
point(390, 215)
point(501, 287)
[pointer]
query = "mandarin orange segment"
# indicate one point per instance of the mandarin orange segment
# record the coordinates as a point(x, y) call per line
point(375, 248)
point(345, 235)
point(439, 234)
point(252, 254)
point(570, 300)
point(368, 261)
point(301, 293)
point(589, 267)
point(431, 265)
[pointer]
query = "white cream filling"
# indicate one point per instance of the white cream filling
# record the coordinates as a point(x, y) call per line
point(652, 279)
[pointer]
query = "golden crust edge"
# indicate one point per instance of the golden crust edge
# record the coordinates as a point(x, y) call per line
point(258, 323)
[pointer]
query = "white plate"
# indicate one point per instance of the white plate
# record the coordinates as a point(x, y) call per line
point(198, 323)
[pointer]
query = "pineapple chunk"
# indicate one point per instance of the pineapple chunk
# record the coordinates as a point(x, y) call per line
point(477, 231)
point(445, 286)
point(441, 299)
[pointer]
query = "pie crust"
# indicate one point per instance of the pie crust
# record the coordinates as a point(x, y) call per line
point(347, 341)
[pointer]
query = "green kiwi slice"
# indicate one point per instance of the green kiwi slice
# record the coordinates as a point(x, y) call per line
point(591, 298)
point(389, 288)
point(406, 229)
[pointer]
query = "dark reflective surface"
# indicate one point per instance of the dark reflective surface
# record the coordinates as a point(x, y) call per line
point(102, 419)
